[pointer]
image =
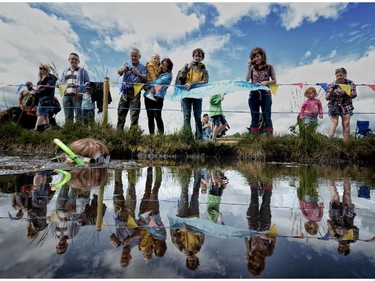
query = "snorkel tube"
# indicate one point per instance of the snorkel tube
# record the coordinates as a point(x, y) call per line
point(66, 177)
point(67, 150)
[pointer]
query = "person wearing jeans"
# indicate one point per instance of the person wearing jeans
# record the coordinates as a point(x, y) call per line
point(260, 73)
point(192, 74)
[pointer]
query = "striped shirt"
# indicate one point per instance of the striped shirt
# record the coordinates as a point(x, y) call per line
point(71, 81)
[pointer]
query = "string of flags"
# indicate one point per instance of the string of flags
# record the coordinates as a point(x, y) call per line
point(213, 88)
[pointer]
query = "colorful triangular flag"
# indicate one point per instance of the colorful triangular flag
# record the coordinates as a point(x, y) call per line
point(62, 88)
point(371, 86)
point(370, 240)
point(157, 88)
point(273, 88)
point(137, 88)
point(347, 88)
point(323, 85)
point(325, 237)
point(131, 222)
point(273, 231)
point(349, 235)
point(299, 84)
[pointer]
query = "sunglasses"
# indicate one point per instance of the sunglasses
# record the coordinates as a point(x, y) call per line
point(42, 68)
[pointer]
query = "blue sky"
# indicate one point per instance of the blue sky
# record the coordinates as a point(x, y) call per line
point(305, 42)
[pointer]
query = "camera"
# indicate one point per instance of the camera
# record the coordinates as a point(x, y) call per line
point(127, 68)
point(334, 87)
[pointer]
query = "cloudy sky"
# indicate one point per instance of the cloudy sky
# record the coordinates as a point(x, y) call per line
point(305, 42)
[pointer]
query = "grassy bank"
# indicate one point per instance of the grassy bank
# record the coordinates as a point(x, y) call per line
point(136, 144)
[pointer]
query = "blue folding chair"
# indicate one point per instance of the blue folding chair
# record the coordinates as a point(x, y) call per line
point(364, 192)
point(363, 129)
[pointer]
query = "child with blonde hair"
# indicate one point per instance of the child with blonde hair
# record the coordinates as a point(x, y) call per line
point(311, 108)
point(153, 71)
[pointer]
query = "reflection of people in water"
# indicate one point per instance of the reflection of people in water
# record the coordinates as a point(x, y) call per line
point(308, 196)
point(33, 194)
point(341, 218)
point(187, 240)
point(22, 194)
point(41, 196)
point(153, 233)
point(127, 235)
point(259, 246)
point(73, 207)
point(216, 182)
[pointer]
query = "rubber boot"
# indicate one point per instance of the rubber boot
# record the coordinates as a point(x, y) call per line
point(40, 128)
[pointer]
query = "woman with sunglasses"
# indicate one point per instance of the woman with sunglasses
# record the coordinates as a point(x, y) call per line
point(45, 92)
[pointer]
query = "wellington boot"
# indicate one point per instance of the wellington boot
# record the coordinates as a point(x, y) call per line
point(40, 128)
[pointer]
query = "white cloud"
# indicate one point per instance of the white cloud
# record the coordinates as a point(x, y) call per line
point(230, 14)
point(48, 39)
point(123, 25)
point(308, 54)
point(293, 14)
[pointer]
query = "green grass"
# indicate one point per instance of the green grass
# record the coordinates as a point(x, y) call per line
point(305, 147)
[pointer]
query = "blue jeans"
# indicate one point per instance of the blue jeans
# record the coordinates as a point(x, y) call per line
point(260, 100)
point(72, 105)
point(310, 120)
point(187, 104)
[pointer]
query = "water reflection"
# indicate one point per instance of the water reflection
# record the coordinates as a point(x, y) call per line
point(341, 226)
point(185, 238)
point(258, 247)
point(189, 221)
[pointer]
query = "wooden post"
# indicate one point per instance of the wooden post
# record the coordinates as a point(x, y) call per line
point(99, 214)
point(105, 100)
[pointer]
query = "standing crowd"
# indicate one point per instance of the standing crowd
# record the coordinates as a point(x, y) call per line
point(155, 78)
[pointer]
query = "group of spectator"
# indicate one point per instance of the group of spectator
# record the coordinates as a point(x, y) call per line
point(156, 76)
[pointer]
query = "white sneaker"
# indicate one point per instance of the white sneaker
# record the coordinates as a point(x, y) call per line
point(150, 96)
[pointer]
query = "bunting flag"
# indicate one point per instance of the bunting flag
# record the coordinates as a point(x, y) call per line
point(214, 88)
point(349, 235)
point(325, 237)
point(298, 84)
point(323, 85)
point(62, 88)
point(370, 240)
point(131, 222)
point(137, 88)
point(157, 88)
point(273, 88)
point(347, 88)
point(273, 231)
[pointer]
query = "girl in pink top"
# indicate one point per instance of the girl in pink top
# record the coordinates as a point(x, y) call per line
point(311, 108)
